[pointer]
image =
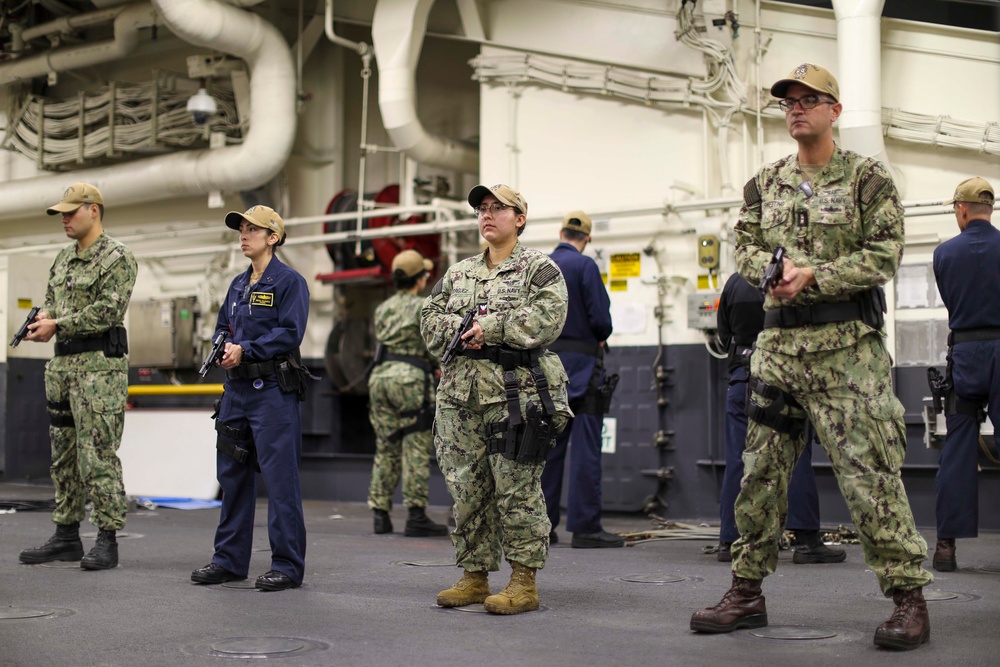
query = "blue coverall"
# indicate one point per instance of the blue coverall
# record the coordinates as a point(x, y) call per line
point(967, 271)
point(741, 318)
point(267, 320)
point(588, 322)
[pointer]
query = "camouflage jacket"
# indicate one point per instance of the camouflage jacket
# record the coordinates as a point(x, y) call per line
point(850, 231)
point(397, 327)
point(524, 300)
point(88, 293)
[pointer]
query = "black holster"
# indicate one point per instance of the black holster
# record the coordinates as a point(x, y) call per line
point(528, 442)
point(772, 414)
point(237, 443)
point(873, 307)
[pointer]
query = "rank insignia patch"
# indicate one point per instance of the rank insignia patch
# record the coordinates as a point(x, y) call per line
point(261, 299)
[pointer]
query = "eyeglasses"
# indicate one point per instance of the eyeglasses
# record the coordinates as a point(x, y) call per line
point(493, 208)
point(807, 102)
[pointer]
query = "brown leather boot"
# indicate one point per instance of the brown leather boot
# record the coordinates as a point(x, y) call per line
point(520, 594)
point(909, 626)
point(944, 556)
point(472, 588)
point(741, 607)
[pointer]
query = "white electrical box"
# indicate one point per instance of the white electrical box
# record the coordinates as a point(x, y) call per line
point(703, 310)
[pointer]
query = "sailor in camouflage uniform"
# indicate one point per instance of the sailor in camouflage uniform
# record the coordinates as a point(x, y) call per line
point(501, 383)
point(401, 402)
point(822, 356)
point(86, 382)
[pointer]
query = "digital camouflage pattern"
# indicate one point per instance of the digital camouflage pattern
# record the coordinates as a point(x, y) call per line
point(499, 504)
point(852, 235)
point(88, 294)
point(850, 231)
point(394, 388)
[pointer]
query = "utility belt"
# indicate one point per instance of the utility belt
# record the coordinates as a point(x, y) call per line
point(290, 373)
point(579, 346)
point(237, 443)
point(528, 438)
point(869, 307)
point(968, 335)
point(383, 355)
point(425, 413)
point(113, 342)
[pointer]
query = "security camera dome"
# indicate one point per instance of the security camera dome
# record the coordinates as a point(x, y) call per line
point(202, 106)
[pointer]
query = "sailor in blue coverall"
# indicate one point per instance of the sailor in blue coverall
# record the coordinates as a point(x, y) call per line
point(580, 347)
point(259, 421)
point(741, 318)
point(967, 271)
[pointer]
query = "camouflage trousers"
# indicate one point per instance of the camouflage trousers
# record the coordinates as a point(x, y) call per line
point(87, 413)
point(409, 456)
point(848, 395)
point(499, 505)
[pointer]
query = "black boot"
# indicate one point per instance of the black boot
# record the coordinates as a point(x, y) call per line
point(64, 545)
point(104, 555)
point(809, 548)
point(418, 524)
point(382, 522)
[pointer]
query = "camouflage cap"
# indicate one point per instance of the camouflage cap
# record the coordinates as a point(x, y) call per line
point(974, 190)
point(504, 193)
point(410, 263)
point(811, 76)
point(76, 196)
point(578, 221)
point(262, 216)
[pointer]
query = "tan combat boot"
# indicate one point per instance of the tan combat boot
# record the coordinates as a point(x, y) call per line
point(741, 607)
point(472, 588)
point(909, 626)
point(520, 594)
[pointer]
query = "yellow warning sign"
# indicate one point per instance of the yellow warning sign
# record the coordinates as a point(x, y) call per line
point(625, 265)
point(619, 286)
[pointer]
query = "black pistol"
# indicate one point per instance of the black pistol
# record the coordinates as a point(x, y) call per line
point(23, 331)
point(774, 270)
point(456, 344)
point(218, 348)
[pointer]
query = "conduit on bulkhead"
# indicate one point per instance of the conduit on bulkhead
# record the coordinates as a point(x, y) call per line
point(398, 28)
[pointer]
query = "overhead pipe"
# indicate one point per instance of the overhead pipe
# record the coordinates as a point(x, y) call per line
point(127, 23)
point(398, 28)
point(859, 55)
point(331, 35)
point(265, 147)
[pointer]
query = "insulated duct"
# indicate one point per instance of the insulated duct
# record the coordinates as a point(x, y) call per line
point(859, 51)
point(398, 28)
point(265, 146)
point(128, 22)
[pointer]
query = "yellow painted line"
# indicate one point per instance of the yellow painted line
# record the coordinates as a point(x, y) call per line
point(174, 389)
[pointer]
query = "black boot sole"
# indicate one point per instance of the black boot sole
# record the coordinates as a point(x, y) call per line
point(91, 565)
point(748, 622)
point(807, 559)
point(945, 565)
point(70, 556)
point(424, 532)
point(899, 645)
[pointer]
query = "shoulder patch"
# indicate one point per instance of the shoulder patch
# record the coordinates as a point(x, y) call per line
point(546, 275)
point(112, 257)
point(751, 193)
point(871, 187)
point(438, 286)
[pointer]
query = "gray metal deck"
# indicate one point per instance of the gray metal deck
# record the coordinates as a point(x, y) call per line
point(362, 603)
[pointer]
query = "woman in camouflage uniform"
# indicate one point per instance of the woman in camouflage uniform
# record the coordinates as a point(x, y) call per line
point(401, 402)
point(519, 300)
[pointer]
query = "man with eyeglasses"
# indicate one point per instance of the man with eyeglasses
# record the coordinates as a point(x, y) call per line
point(821, 356)
point(962, 266)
